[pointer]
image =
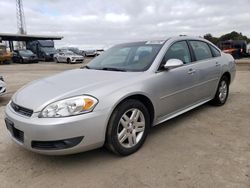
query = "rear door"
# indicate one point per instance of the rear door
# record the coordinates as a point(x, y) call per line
point(207, 66)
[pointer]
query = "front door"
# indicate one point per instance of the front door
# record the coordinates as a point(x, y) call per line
point(175, 87)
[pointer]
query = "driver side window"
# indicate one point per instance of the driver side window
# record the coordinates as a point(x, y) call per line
point(178, 50)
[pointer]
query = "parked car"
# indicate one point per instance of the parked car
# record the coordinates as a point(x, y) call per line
point(24, 56)
point(99, 51)
point(74, 50)
point(68, 57)
point(90, 53)
point(117, 98)
point(2, 86)
point(248, 49)
point(44, 49)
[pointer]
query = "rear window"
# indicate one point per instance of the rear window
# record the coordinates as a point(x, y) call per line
point(216, 52)
point(201, 50)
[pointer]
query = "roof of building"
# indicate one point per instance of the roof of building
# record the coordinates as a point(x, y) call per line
point(22, 37)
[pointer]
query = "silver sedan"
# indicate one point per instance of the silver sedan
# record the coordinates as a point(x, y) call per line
point(114, 100)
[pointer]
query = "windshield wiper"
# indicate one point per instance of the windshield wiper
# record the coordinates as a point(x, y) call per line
point(113, 69)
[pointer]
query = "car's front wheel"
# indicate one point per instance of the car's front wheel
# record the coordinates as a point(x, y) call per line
point(221, 95)
point(68, 61)
point(56, 60)
point(128, 127)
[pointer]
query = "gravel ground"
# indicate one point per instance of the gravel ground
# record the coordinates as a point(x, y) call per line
point(207, 147)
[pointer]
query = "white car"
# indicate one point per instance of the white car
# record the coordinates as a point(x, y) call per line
point(68, 57)
point(248, 49)
point(90, 53)
point(2, 86)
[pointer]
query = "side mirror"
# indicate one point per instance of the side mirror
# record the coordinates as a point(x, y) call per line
point(172, 63)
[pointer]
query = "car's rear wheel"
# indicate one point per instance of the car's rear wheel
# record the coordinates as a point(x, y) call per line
point(21, 61)
point(128, 127)
point(222, 92)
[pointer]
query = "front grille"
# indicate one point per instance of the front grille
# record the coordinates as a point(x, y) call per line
point(79, 60)
point(21, 110)
point(16, 133)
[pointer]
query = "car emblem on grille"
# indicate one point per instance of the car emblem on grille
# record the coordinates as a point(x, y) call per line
point(16, 107)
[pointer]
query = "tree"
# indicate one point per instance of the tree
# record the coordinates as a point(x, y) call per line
point(210, 38)
point(233, 36)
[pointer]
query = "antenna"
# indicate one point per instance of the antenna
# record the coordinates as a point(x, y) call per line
point(20, 17)
point(21, 26)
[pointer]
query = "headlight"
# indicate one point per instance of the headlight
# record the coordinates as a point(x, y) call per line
point(69, 107)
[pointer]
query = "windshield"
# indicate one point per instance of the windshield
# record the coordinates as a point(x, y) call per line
point(75, 50)
point(127, 57)
point(69, 53)
point(25, 52)
point(49, 49)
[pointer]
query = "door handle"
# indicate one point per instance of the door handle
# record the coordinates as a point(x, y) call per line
point(217, 64)
point(191, 71)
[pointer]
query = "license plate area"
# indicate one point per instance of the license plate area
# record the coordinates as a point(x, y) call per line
point(16, 133)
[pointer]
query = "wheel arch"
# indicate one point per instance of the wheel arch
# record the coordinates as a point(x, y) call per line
point(144, 100)
point(228, 75)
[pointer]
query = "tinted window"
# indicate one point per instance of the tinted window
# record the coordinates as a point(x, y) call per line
point(180, 51)
point(215, 51)
point(201, 50)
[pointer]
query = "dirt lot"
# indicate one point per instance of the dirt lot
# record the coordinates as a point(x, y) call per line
point(207, 147)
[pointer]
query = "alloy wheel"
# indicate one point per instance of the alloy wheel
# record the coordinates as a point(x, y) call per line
point(131, 128)
point(223, 91)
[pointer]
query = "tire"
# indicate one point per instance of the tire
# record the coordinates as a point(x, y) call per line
point(68, 61)
point(44, 57)
point(221, 95)
point(21, 61)
point(56, 60)
point(132, 133)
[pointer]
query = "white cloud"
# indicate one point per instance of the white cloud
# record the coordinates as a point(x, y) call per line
point(112, 17)
point(102, 23)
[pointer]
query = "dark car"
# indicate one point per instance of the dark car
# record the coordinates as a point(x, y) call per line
point(24, 56)
point(44, 49)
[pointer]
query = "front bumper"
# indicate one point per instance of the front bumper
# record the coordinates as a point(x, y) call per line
point(77, 60)
point(49, 57)
point(2, 88)
point(91, 127)
point(35, 60)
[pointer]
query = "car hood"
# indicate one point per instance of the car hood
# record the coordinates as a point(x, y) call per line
point(29, 56)
point(75, 56)
point(40, 93)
